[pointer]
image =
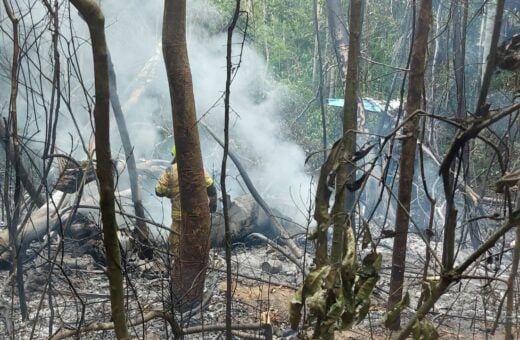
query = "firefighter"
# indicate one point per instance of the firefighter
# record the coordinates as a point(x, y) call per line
point(168, 186)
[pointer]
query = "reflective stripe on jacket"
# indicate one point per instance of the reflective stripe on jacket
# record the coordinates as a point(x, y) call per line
point(168, 186)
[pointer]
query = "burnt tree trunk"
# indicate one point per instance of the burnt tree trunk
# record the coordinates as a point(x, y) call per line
point(322, 242)
point(407, 161)
point(189, 269)
point(25, 176)
point(96, 24)
point(141, 230)
point(14, 216)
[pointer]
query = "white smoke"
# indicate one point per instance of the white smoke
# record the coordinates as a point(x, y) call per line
point(275, 165)
point(133, 30)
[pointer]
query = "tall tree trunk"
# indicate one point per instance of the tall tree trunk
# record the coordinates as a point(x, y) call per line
point(407, 161)
point(13, 219)
point(92, 14)
point(266, 42)
point(315, 14)
point(459, 25)
point(344, 216)
point(339, 35)
point(486, 34)
point(322, 242)
point(350, 108)
point(439, 53)
point(190, 269)
point(459, 49)
point(317, 52)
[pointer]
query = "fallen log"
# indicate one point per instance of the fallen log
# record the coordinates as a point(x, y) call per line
point(73, 174)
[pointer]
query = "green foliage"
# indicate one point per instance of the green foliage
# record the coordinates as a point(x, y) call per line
point(392, 315)
point(424, 330)
point(338, 296)
point(382, 43)
point(283, 32)
point(295, 309)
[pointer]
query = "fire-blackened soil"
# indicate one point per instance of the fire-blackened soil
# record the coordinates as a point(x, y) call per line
point(71, 292)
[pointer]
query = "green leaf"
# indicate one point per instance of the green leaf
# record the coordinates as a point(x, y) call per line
point(323, 192)
point(424, 330)
point(347, 319)
point(392, 315)
point(331, 279)
point(314, 280)
point(365, 290)
point(336, 310)
point(295, 309)
point(363, 310)
point(349, 265)
point(349, 261)
point(318, 303)
point(372, 263)
point(367, 236)
point(330, 323)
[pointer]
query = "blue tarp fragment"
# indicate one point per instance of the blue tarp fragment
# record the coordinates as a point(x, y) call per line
point(368, 103)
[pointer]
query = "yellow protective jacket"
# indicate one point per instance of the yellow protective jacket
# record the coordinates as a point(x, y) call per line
point(168, 186)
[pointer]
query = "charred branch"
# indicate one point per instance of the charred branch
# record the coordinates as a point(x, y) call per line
point(73, 174)
point(25, 177)
point(141, 230)
point(167, 316)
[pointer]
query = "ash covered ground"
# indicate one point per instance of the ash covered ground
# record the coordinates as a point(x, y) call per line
point(74, 292)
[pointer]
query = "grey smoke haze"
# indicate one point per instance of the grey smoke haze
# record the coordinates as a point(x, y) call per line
point(275, 165)
point(133, 30)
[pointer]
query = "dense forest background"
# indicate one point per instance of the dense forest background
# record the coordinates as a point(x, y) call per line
point(370, 191)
